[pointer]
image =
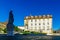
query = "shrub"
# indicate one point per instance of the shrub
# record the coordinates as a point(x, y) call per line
point(35, 32)
point(5, 30)
point(26, 32)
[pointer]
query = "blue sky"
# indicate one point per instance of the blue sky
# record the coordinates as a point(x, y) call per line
point(22, 8)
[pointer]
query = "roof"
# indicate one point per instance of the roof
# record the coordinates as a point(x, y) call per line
point(38, 17)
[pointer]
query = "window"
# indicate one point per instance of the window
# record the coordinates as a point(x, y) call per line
point(39, 24)
point(27, 27)
point(31, 20)
point(47, 27)
point(35, 20)
point(43, 23)
point(47, 23)
point(35, 24)
point(31, 24)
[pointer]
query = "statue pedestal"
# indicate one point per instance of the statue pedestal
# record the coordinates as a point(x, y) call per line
point(10, 29)
point(10, 33)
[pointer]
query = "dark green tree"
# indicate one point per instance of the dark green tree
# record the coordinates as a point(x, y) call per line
point(16, 29)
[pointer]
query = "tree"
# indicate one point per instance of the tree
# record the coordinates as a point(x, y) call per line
point(5, 30)
point(16, 29)
point(1, 30)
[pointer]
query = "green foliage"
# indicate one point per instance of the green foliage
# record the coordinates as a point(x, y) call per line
point(5, 30)
point(35, 32)
point(54, 31)
point(1, 30)
point(26, 32)
point(43, 33)
point(16, 29)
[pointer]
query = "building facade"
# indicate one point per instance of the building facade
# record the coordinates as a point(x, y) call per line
point(41, 23)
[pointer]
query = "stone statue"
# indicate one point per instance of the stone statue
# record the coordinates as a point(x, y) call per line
point(10, 26)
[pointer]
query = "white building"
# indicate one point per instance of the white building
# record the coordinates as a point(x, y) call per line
point(40, 23)
point(21, 27)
